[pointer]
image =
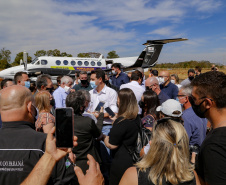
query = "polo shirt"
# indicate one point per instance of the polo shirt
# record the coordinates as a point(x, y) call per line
point(194, 126)
point(163, 97)
point(121, 79)
point(80, 86)
point(170, 89)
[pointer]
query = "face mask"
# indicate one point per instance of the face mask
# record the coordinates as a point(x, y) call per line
point(191, 78)
point(141, 104)
point(113, 72)
point(67, 89)
point(50, 90)
point(84, 82)
point(52, 102)
point(161, 80)
point(27, 84)
point(173, 81)
point(106, 81)
point(196, 108)
point(93, 85)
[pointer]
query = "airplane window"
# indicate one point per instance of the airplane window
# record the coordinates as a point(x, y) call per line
point(79, 63)
point(65, 62)
point(72, 62)
point(92, 63)
point(99, 63)
point(44, 62)
point(58, 62)
point(86, 63)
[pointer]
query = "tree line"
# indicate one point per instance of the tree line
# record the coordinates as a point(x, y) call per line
point(5, 56)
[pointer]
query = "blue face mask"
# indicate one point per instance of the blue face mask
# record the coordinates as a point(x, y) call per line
point(27, 84)
point(93, 85)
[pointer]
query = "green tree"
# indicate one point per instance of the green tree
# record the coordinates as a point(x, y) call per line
point(64, 54)
point(112, 54)
point(20, 56)
point(84, 55)
point(40, 53)
point(5, 58)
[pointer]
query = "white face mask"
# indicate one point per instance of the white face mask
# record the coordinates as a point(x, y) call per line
point(161, 80)
point(67, 89)
point(113, 72)
point(173, 81)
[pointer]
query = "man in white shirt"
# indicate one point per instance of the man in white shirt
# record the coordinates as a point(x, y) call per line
point(60, 94)
point(103, 93)
point(134, 85)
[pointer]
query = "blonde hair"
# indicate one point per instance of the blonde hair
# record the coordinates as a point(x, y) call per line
point(42, 101)
point(168, 156)
point(128, 108)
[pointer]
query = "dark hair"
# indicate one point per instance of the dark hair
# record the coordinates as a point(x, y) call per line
point(3, 82)
point(116, 65)
point(59, 79)
point(136, 75)
point(92, 72)
point(213, 84)
point(18, 76)
point(151, 102)
point(155, 72)
point(42, 80)
point(76, 100)
point(191, 71)
point(100, 74)
point(198, 68)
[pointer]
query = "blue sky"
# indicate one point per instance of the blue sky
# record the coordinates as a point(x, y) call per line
point(123, 26)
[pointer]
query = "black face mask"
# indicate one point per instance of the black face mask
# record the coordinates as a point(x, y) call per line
point(191, 78)
point(196, 108)
point(50, 90)
point(141, 104)
point(106, 81)
point(52, 102)
point(84, 82)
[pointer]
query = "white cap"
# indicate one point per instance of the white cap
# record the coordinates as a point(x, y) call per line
point(170, 106)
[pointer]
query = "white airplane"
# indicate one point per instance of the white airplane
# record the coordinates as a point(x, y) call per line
point(56, 66)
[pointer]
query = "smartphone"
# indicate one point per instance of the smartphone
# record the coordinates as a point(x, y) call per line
point(110, 112)
point(101, 104)
point(64, 127)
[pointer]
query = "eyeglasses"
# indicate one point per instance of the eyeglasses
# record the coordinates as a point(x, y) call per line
point(192, 99)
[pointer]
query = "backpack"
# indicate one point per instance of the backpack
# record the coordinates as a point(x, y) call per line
point(143, 137)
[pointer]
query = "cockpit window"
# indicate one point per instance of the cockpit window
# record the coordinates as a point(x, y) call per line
point(58, 62)
point(37, 63)
point(44, 62)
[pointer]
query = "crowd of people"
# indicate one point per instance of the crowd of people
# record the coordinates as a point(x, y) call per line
point(186, 120)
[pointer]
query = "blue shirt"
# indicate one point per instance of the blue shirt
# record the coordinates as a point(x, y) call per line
point(195, 126)
point(171, 90)
point(163, 97)
point(0, 121)
point(60, 97)
point(121, 79)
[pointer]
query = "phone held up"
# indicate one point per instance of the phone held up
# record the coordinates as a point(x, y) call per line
point(110, 112)
point(64, 127)
point(101, 104)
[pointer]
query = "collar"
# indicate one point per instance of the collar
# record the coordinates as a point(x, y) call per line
point(169, 84)
point(86, 85)
point(102, 91)
point(18, 124)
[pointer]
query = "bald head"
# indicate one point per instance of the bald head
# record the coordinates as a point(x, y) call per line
point(164, 74)
point(150, 81)
point(14, 97)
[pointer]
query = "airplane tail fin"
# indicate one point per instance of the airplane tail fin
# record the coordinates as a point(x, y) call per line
point(149, 56)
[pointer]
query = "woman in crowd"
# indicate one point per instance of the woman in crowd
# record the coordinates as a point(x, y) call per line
point(167, 161)
point(149, 102)
point(123, 134)
point(175, 80)
point(85, 129)
point(46, 120)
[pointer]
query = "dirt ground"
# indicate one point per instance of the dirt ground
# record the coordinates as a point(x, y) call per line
point(181, 72)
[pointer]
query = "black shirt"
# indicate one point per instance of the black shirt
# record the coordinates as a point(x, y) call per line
point(211, 160)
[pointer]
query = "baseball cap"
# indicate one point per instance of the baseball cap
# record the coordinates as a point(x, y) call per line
point(169, 107)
